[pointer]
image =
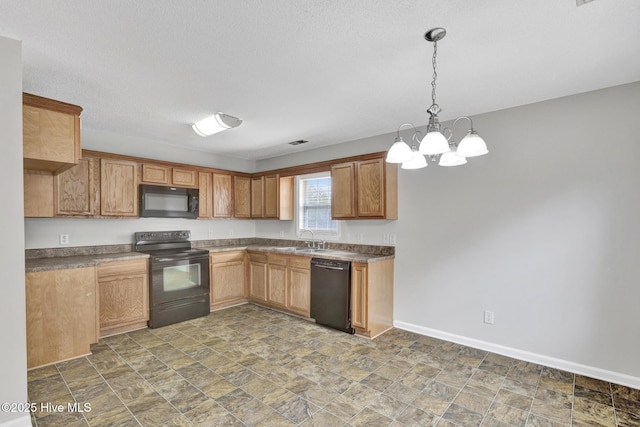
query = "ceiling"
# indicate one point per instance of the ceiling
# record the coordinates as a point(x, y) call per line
point(326, 71)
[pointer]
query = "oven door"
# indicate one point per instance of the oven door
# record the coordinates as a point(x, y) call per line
point(178, 278)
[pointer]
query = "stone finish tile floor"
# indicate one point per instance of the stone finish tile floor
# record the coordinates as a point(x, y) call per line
point(251, 366)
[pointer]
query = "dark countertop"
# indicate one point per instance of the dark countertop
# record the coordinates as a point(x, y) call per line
point(67, 262)
point(291, 250)
point(79, 261)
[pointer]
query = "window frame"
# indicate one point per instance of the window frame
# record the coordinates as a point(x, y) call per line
point(321, 234)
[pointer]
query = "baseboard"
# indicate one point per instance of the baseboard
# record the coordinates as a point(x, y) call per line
point(552, 362)
point(23, 421)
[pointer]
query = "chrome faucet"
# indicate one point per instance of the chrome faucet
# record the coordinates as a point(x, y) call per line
point(311, 244)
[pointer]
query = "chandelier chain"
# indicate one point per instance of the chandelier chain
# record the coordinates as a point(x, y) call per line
point(435, 74)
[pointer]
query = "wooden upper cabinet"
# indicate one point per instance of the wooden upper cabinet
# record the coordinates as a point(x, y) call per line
point(166, 175)
point(118, 188)
point(370, 188)
point(272, 197)
point(184, 177)
point(343, 191)
point(75, 190)
point(271, 193)
point(38, 194)
point(222, 196)
point(366, 189)
point(51, 134)
point(241, 197)
point(257, 197)
point(156, 174)
point(205, 209)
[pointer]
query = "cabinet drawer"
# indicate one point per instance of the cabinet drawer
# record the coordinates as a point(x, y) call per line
point(277, 259)
point(300, 262)
point(220, 257)
point(123, 268)
point(257, 257)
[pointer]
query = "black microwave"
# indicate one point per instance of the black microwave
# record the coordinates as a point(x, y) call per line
point(158, 201)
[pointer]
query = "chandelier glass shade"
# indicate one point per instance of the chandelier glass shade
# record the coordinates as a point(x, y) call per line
point(399, 152)
point(435, 145)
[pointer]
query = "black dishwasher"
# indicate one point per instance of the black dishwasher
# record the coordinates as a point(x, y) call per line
point(331, 293)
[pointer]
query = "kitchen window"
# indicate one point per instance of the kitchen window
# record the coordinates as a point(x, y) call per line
point(314, 205)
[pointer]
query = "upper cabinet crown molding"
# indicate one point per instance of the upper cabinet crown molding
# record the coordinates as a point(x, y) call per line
point(51, 134)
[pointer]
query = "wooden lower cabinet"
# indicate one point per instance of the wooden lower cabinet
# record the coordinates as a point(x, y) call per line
point(299, 285)
point(372, 297)
point(281, 281)
point(277, 280)
point(257, 276)
point(124, 296)
point(227, 277)
point(61, 315)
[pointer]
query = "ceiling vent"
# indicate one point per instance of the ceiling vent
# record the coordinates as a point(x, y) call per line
point(298, 142)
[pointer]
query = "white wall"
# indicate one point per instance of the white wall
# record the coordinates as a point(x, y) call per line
point(13, 357)
point(543, 231)
point(45, 233)
point(113, 142)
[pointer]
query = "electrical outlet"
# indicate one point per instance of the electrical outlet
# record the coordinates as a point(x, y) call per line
point(281, 233)
point(392, 238)
point(230, 233)
point(360, 237)
point(64, 239)
point(488, 317)
point(385, 238)
point(212, 233)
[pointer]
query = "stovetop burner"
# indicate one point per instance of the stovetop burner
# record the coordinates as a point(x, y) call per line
point(166, 243)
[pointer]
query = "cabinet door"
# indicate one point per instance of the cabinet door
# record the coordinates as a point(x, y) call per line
point(124, 296)
point(370, 188)
point(184, 177)
point(61, 315)
point(38, 194)
point(227, 277)
point(343, 191)
point(257, 197)
point(241, 197)
point(277, 294)
point(271, 196)
point(222, 196)
point(205, 209)
point(299, 286)
point(156, 174)
point(75, 189)
point(359, 295)
point(51, 134)
point(258, 277)
point(118, 188)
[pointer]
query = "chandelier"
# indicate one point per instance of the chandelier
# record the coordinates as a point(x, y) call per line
point(437, 144)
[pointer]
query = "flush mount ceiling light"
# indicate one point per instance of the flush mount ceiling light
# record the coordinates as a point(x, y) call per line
point(216, 123)
point(435, 143)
